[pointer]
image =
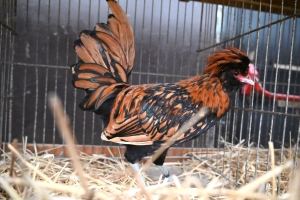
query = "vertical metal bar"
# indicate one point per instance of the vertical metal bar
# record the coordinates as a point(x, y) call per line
point(89, 15)
point(190, 53)
point(159, 41)
point(275, 86)
point(220, 122)
point(24, 102)
point(1, 79)
point(56, 70)
point(286, 26)
point(182, 49)
point(295, 110)
point(167, 42)
point(211, 132)
point(298, 120)
point(200, 36)
point(93, 131)
point(229, 10)
point(150, 41)
point(287, 93)
point(243, 102)
point(276, 74)
point(216, 23)
point(46, 79)
point(74, 89)
point(175, 50)
point(6, 73)
point(36, 75)
point(11, 75)
point(65, 92)
point(67, 60)
point(183, 38)
point(297, 149)
point(199, 56)
point(271, 84)
point(108, 12)
point(3, 32)
point(206, 39)
point(263, 96)
point(25, 80)
point(6, 79)
point(175, 45)
point(45, 107)
point(255, 64)
point(142, 43)
point(235, 26)
point(84, 113)
point(134, 21)
point(235, 112)
point(93, 114)
point(227, 126)
point(249, 128)
point(98, 10)
point(84, 135)
point(207, 28)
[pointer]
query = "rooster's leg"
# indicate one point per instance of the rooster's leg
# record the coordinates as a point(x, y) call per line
point(137, 169)
point(166, 173)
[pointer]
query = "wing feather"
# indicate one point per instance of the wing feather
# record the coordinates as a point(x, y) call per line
point(142, 114)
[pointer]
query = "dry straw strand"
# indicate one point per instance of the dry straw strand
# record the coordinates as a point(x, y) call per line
point(63, 124)
point(271, 147)
point(36, 170)
point(11, 192)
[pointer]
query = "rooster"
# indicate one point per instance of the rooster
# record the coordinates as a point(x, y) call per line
point(142, 117)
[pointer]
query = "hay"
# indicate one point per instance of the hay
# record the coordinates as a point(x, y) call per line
point(44, 176)
point(243, 165)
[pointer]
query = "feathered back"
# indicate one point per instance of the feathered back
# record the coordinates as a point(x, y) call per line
point(107, 55)
point(225, 57)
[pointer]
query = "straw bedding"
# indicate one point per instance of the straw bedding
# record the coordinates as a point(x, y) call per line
point(43, 176)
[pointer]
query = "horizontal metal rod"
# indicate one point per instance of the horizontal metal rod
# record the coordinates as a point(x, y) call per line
point(67, 67)
point(267, 112)
point(142, 73)
point(252, 31)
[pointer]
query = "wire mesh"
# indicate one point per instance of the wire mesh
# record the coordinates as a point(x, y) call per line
point(36, 39)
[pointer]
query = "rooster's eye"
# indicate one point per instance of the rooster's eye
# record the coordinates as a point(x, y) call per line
point(235, 72)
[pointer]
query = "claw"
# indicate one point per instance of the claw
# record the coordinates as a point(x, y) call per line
point(166, 173)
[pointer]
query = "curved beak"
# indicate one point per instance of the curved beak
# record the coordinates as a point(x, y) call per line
point(245, 79)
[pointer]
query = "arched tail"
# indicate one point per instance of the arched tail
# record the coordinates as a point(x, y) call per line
point(107, 56)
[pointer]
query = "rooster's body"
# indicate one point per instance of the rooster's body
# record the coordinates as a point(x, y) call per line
point(142, 117)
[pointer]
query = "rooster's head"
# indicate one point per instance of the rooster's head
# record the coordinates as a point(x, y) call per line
point(231, 66)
